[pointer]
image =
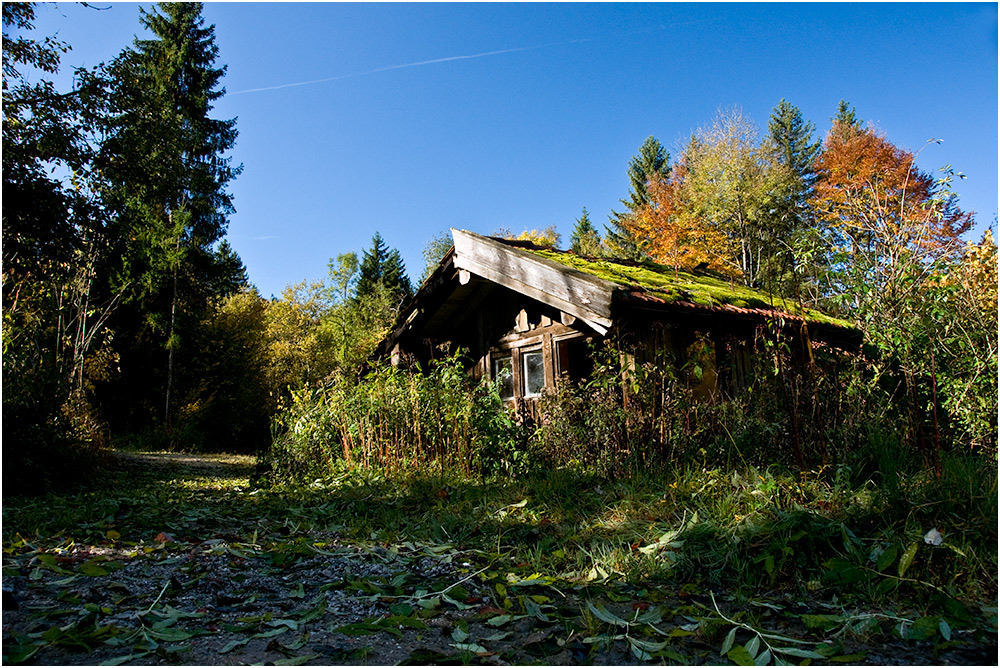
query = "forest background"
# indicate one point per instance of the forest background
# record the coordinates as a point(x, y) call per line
point(115, 258)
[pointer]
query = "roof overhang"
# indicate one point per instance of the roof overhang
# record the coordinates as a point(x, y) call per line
point(581, 295)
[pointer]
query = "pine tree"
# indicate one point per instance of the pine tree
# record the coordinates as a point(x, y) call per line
point(846, 122)
point(585, 240)
point(792, 138)
point(382, 265)
point(652, 161)
point(165, 157)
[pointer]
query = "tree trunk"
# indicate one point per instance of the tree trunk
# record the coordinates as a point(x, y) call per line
point(171, 343)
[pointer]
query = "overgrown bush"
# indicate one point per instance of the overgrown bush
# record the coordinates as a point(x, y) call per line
point(46, 447)
point(633, 415)
point(636, 412)
point(399, 421)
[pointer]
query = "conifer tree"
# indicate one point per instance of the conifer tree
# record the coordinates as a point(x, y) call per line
point(585, 240)
point(846, 122)
point(791, 140)
point(651, 162)
point(382, 265)
point(165, 157)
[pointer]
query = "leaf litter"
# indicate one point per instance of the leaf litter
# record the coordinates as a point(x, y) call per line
point(194, 584)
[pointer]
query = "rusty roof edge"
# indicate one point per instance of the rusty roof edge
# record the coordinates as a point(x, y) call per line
point(638, 293)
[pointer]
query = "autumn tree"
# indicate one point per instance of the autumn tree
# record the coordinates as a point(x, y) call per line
point(548, 237)
point(881, 208)
point(651, 162)
point(892, 229)
point(586, 240)
point(674, 233)
point(299, 350)
point(959, 308)
point(735, 185)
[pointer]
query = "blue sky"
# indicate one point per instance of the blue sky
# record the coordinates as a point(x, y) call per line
point(422, 117)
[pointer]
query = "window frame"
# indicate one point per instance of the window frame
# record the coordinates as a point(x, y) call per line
point(525, 355)
point(499, 368)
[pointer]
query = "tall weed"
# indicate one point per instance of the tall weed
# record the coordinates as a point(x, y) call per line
point(399, 422)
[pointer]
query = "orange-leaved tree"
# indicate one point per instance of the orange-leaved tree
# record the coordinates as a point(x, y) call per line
point(673, 233)
point(893, 232)
point(880, 209)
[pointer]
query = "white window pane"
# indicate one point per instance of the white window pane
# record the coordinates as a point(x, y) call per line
point(534, 373)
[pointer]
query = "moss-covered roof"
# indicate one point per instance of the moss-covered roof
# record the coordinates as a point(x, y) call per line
point(679, 287)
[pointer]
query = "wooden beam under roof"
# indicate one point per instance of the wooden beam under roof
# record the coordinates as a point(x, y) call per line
point(581, 295)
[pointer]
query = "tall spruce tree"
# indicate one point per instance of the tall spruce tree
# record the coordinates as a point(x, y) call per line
point(791, 140)
point(651, 161)
point(382, 265)
point(846, 123)
point(585, 240)
point(165, 156)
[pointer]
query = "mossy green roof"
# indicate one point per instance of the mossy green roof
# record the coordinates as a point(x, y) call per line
point(680, 286)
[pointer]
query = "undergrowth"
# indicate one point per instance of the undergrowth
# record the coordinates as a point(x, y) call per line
point(802, 482)
point(814, 545)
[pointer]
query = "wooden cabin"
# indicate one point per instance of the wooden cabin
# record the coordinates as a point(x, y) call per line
point(526, 315)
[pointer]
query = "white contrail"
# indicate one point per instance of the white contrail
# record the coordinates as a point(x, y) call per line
point(386, 69)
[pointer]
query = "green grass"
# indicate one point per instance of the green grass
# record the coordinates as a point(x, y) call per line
point(751, 530)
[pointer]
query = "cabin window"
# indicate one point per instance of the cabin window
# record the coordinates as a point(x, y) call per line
point(534, 372)
point(503, 371)
point(573, 359)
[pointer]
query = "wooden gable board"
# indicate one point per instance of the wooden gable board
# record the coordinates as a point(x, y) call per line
point(569, 290)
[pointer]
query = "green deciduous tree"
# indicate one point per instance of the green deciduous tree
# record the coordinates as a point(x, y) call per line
point(434, 251)
point(55, 252)
point(230, 404)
